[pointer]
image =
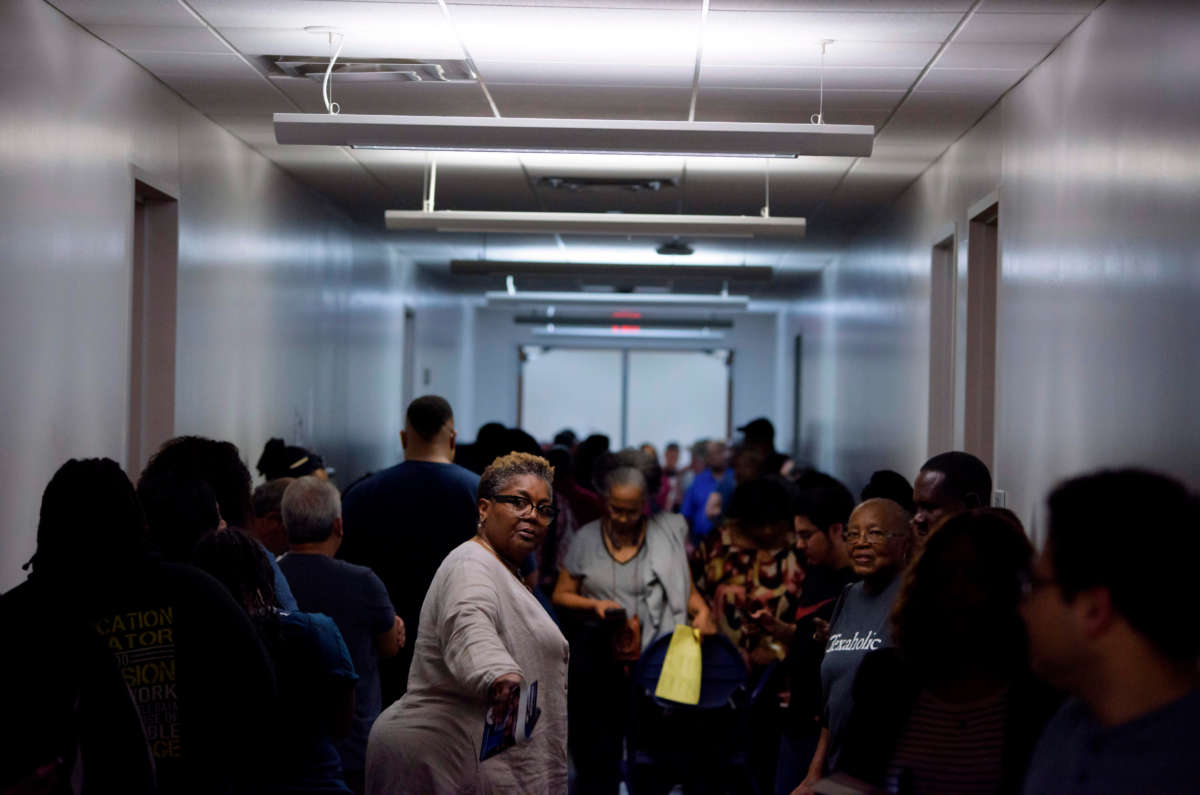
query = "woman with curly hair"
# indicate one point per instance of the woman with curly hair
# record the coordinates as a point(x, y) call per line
point(484, 642)
point(313, 667)
point(952, 707)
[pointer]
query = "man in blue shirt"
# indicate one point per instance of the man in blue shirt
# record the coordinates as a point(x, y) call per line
point(1110, 607)
point(352, 596)
point(716, 476)
point(402, 522)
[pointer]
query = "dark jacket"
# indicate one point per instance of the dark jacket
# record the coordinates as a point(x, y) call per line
point(822, 589)
point(885, 691)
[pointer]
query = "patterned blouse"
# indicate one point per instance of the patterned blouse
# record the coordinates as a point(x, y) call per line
point(740, 580)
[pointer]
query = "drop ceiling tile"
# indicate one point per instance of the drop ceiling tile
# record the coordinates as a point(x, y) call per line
point(334, 173)
point(215, 66)
point(733, 185)
point(663, 201)
point(630, 166)
point(791, 194)
point(462, 182)
point(873, 117)
point(796, 106)
point(709, 188)
point(739, 46)
point(611, 74)
point(893, 146)
point(840, 5)
point(463, 187)
point(986, 81)
point(1041, 6)
point(1014, 28)
point(160, 38)
point(125, 12)
point(888, 172)
point(639, 5)
point(934, 116)
point(590, 102)
point(433, 42)
point(229, 97)
point(401, 99)
point(802, 168)
point(893, 79)
point(350, 15)
point(508, 33)
point(993, 56)
point(256, 129)
point(802, 28)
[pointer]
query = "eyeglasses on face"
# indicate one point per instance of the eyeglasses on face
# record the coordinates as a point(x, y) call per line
point(524, 506)
point(874, 535)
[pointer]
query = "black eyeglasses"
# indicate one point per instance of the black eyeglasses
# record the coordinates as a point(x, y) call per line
point(874, 535)
point(523, 505)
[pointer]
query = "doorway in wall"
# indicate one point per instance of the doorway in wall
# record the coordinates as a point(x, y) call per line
point(153, 307)
point(983, 271)
point(942, 278)
point(630, 395)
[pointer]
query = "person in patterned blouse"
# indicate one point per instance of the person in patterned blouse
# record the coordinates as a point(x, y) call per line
point(749, 569)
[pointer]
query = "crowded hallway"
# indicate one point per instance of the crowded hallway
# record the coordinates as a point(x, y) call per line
point(640, 398)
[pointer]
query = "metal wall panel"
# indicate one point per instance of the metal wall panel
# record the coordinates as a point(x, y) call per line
point(1097, 169)
point(287, 323)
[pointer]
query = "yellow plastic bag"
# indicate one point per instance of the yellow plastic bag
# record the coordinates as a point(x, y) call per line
point(680, 677)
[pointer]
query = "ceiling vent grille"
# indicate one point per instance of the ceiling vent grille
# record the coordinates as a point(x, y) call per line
point(374, 70)
point(592, 184)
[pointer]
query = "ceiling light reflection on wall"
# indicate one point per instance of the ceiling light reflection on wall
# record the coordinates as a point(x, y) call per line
point(585, 136)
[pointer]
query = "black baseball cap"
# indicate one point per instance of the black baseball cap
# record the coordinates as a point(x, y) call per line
point(758, 428)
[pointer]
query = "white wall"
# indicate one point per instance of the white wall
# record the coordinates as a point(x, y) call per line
point(1095, 162)
point(286, 322)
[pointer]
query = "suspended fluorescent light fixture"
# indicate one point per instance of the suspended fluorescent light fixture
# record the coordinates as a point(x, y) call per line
point(652, 224)
point(630, 332)
point(656, 300)
point(575, 136)
point(625, 321)
point(485, 267)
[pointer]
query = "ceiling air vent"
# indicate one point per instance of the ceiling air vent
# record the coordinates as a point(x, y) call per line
point(675, 247)
point(591, 184)
point(375, 70)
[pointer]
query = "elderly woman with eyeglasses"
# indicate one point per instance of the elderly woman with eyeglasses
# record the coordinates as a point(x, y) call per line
point(878, 538)
point(486, 706)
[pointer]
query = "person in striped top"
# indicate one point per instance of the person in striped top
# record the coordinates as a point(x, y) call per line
point(953, 707)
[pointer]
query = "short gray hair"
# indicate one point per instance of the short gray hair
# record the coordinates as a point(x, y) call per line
point(268, 496)
point(626, 476)
point(499, 472)
point(309, 507)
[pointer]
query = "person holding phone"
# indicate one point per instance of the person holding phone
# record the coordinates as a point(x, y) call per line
point(625, 582)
